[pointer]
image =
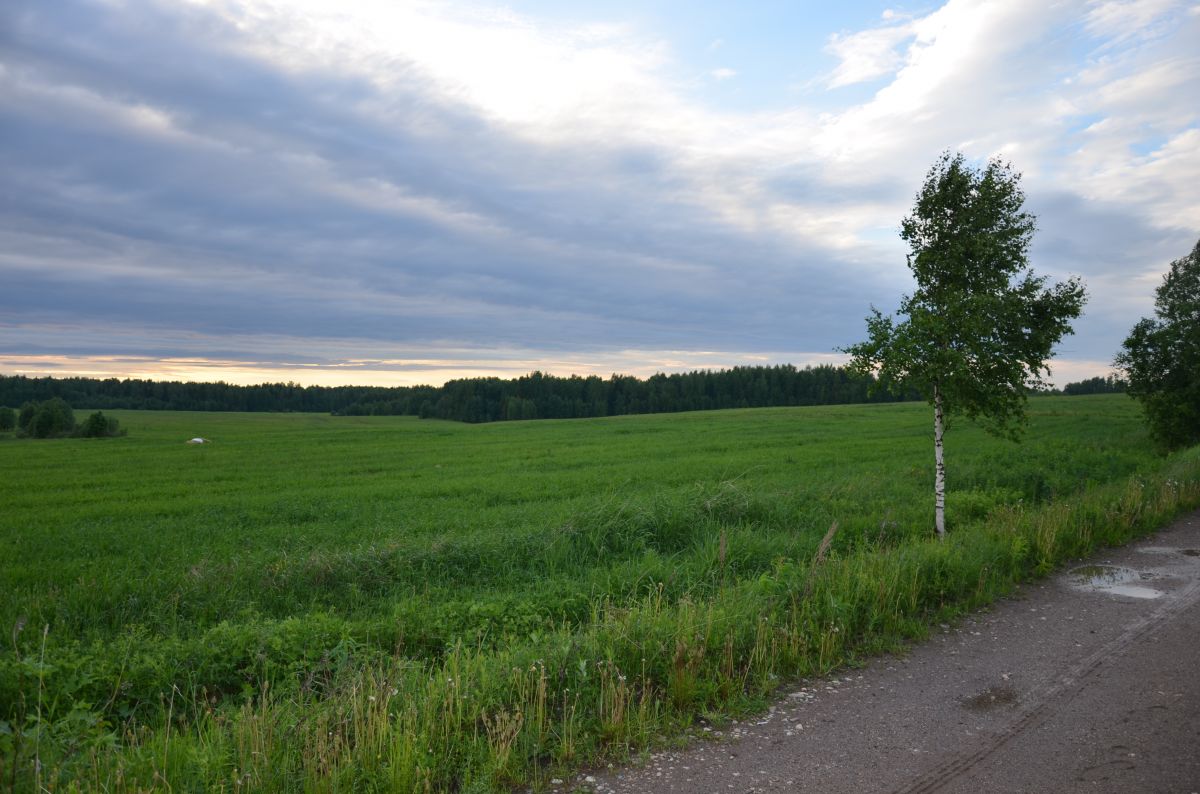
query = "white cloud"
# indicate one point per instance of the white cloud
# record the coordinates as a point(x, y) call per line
point(993, 78)
point(1119, 20)
point(507, 66)
point(723, 73)
point(867, 54)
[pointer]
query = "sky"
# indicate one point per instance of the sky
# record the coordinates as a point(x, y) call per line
point(379, 192)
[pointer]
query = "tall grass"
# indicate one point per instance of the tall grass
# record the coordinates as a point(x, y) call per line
point(477, 659)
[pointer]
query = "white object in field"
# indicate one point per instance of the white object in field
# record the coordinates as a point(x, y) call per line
point(198, 440)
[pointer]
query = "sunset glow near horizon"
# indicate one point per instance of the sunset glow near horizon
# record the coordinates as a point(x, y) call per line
point(384, 193)
point(384, 372)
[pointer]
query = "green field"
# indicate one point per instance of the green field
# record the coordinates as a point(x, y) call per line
point(379, 603)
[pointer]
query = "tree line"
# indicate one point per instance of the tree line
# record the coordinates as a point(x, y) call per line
point(534, 396)
point(1097, 385)
point(155, 395)
point(542, 396)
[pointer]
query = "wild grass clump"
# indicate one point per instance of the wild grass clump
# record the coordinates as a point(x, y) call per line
point(465, 654)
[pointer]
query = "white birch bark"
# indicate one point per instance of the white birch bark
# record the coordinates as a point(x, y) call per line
point(939, 477)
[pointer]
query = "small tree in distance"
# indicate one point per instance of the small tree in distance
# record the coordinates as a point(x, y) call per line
point(1161, 357)
point(980, 326)
point(99, 426)
point(51, 418)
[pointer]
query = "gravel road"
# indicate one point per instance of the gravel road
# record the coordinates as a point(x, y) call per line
point(1085, 682)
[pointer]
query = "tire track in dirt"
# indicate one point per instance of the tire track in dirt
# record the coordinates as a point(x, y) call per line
point(1046, 700)
point(1064, 686)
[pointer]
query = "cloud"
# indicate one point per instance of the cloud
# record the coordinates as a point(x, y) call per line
point(122, 351)
point(1120, 20)
point(428, 177)
point(867, 54)
point(723, 73)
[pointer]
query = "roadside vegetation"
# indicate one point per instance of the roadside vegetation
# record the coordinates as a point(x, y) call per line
point(379, 603)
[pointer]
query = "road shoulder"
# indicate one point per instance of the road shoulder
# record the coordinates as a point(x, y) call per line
point(1086, 681)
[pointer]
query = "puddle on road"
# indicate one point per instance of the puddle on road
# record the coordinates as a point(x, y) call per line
point(1113, 579)
point(991, 698)
point(1190, 552)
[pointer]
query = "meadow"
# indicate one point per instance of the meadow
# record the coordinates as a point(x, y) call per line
point(329, 603)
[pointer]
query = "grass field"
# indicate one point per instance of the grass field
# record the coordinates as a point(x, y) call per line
point(376, 603)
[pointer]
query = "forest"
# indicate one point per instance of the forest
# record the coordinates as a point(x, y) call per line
point(534, 396)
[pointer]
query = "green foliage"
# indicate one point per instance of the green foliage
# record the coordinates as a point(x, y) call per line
point(99, 426)
point(54, 418)
point(51, 418)
point(368, 603)
point(25, 416)
point(8, 418)
point(1096, 385)
point(1161, 356)
point(980, 325)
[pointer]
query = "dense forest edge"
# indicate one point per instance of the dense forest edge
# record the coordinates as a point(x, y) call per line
point(534, 396)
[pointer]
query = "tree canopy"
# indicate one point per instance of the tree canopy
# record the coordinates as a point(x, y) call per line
point(981, 325)
point(1161, 356)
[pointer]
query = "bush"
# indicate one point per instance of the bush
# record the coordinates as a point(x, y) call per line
point(99, 426)
point(8, 418)
point(26, 416)
point(52, 418)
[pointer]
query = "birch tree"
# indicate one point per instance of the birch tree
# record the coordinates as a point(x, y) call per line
point(975, 335)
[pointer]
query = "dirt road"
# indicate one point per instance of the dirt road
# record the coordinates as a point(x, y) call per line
point(1085, 682)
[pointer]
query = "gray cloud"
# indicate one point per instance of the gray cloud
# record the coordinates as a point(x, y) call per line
point(157, 176)
point(1119, 256)
point(579, 259)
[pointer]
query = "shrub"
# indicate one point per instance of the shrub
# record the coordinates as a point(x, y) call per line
point(99, 426)
point(52, 418)
point(25, 417)
point(8, 418)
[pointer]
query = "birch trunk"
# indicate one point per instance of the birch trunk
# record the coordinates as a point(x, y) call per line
point(939, 476)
